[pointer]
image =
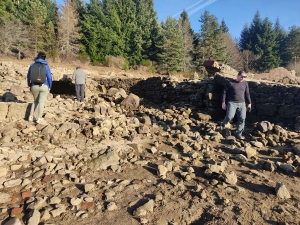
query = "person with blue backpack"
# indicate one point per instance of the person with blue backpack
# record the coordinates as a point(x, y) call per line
point(39, 80)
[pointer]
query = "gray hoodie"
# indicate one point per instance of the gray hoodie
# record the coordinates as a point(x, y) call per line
point(79, 76)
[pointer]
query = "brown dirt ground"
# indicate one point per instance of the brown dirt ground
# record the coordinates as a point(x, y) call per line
point(101, 69)
point(73, 64)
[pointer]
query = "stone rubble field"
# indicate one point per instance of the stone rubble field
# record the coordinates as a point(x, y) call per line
point(118, 159)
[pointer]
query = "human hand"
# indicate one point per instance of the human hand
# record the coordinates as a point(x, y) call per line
point(224, 105)
point(249, 107)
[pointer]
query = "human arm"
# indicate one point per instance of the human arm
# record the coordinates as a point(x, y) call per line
point(28, 77)
point(49, 76)
point(74, 75)
point(225, 90)
point(247, 95)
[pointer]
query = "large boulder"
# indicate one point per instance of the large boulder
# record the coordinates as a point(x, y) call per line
point(131, 102)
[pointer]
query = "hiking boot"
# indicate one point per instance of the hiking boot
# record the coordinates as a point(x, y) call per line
point(41, 121)
point(31, 119)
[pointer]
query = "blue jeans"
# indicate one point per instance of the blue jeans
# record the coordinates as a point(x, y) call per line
point(240, 109)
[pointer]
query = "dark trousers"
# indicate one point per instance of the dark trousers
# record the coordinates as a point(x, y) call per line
point(80, 92)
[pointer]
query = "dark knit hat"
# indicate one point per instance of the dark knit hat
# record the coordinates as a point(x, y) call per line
point(41, 55)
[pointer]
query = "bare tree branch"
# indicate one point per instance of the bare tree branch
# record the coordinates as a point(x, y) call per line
point(68, 31)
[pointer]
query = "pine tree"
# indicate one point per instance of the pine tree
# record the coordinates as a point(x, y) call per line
point(292, 46)
point(128, 31)
point(245, 38)
point(171, 56)
point(266, 48)
point(33, 14)
point(52, 12)
point(113, 25)
point(51, 28)
point(256, 29)
point(91, 30)
point(7, 9)
point(249, 38)
point(263, 42)
point(224, 27)
point(147, 28)
point(68, 31)
point(79, 5)
point(281, 36)
point(209, 45)
point(187, 36)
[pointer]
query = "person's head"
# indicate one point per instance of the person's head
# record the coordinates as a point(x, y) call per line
point(78, 67)
point(241, 76)
point(41, 55)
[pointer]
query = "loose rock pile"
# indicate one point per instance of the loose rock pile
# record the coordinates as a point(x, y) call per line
point(117, 159)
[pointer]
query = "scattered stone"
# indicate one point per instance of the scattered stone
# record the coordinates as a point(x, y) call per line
point(111, 206)
point(16, 211)
point(241, 158)
point(15, 167)
point(230, 178)
point(3, 171)
point(35, 218)
point(45, 215)
point(89, 187)
point(250, 152)
point(12, 183)
point(142, 210)
point(162, 171)
point(4, 198)
point(284, 166)
point(13, 221)
point(60, 208)
point(54, 200)
point(104, 161)
point(75, 201)
point(270, 166)
point(26, 194)
point(87, 205)
point(153, 150)
point(281, 191)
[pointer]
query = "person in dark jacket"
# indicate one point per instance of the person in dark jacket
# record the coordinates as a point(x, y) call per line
point(237, 95)
point(80, 78)
point(39, 91)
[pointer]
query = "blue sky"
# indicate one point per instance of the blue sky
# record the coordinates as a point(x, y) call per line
point(236, 13)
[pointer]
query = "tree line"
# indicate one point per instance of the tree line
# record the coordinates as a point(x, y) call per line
point(128, 33)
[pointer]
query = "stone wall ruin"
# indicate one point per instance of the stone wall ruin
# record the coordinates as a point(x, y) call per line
point(271, 101)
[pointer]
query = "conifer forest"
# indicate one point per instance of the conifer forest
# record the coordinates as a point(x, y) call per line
point(129, 31)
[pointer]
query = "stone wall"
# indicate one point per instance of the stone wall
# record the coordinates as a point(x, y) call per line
point(271, 101)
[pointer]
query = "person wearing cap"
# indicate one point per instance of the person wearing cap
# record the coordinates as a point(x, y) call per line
point(39, 91)
point(80, 78)
point(237, 95)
